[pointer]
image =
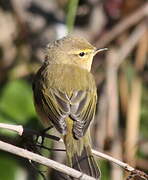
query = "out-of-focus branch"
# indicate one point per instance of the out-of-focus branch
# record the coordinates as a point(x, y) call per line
point(133, 115)
point(113, 134)
point(123, 25)
point(100, 120)
point(45, 161)
point(114, 59)
point(131, 42)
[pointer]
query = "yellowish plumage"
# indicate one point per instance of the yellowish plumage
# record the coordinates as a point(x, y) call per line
point(65, 96)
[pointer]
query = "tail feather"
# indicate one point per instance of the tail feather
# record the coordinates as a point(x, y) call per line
point(79, 155)
point(86, 163)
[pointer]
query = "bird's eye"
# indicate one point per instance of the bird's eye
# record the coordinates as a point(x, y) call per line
point(81, 54)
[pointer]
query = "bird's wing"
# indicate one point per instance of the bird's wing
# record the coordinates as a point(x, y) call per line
point(80, 107)
point(82, 111)
point(57, 107)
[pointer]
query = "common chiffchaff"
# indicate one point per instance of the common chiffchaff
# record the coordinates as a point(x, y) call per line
point(65, 97)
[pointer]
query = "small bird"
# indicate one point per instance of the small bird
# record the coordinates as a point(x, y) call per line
point(65, 97)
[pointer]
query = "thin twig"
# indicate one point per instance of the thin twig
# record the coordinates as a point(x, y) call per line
point(21, 131)
point(113, 160)
point(60, 167)
point(96, 153)
point(43, 160)
point(16, 128)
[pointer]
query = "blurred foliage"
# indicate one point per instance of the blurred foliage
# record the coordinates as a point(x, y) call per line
point(16, 102)
point(71, 13)
point(104, 166)
point(8, 162)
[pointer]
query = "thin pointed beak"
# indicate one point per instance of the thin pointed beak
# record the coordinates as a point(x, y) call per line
point(100, 50)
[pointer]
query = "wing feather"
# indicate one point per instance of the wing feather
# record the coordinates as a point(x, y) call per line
point(84, 115)
point(79, 105)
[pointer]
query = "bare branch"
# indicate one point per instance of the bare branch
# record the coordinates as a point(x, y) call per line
point(16, 128)
point(21, 130)
point(113, 160)
point(45, 161)
point(60, 167)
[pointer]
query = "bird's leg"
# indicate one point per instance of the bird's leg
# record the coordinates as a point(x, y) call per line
point(44, 134)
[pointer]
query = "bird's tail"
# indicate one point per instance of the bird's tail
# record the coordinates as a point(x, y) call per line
point(79, 155)
point(86, 163)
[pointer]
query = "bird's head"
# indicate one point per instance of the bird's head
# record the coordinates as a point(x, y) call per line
point(72, 50)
